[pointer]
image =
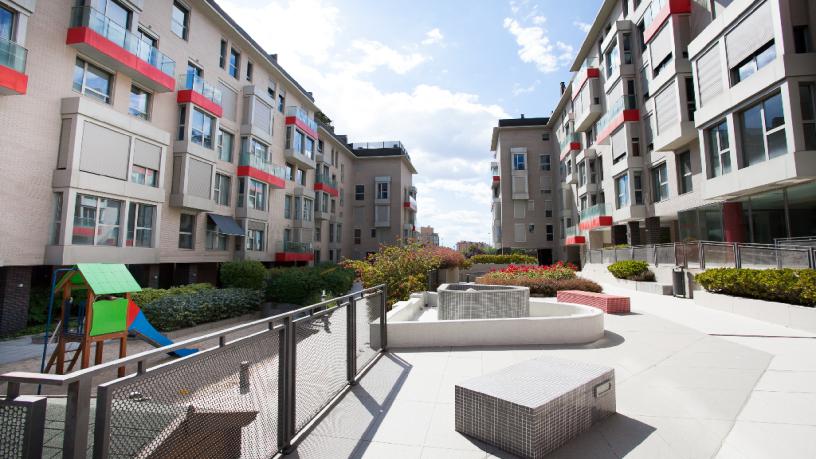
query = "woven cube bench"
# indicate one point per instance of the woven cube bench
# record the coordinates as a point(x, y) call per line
point(532, 408)
point(610, 304)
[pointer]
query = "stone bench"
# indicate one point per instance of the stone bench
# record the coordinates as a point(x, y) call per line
point(610, 304)
point(532, 408)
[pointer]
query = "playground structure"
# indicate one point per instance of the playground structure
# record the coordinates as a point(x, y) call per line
point(95, 307)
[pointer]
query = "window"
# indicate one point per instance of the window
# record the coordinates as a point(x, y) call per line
point(194, 70)
point(331, 232)
point(807, 100)
point(373, 232)
point(299, 177)
point(222, 57)
point(179, 20)
point(621, 191)
point(115, 12)
point(684, 170)
point(139, 103)
point(660, 182)
point(592, 176)
point(234, 63)
point(519, 160)
point(287, 207)
point(202, 126)
point(308, 207)
point(544, 160)
point(221, 189)
point(144, 176)
point(216, 240)
point(627, 48)
point(92, 81)
point(141, 220)
point(255, 240)
point(612, 59)
point(549, 231)
point(256, 198)
point(582, 173)
point(691, 101)
point(637, 182)
point(762, 57)
point(57, 218)
point(290, 172)
point(520, 233)
point(281, 102)
point(801, 39)
point(186, 230)
point(763, 131)
point(635, 146)
point(382, 190)
point(358, 236)
point(249, 71)
point(96, 221)
point(719, 151)
point(318, 233)
point(225, 141)
point(359, 192)
point(182, 121)
point(548, 208)
point(298, 207)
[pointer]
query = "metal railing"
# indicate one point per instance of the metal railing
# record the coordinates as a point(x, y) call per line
point(320, 178)
point(199, 85)
point(589, 62)
point(593, 211)
point(87, 16)
point(567, 140)
point(253, 395)
point(572, 231)
point(294, 247)
point(710, 254)
point(625, 102)
point(13, 55)
point(302, 115)
point(253, 161)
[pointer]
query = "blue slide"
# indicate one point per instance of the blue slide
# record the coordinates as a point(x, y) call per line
point(138, 324)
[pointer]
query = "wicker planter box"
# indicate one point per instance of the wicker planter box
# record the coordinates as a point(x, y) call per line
point(469, 301)
point(532, 408)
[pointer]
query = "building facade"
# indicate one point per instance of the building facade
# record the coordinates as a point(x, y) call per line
point(159, 134)
point(428, 236)
point(689, 120)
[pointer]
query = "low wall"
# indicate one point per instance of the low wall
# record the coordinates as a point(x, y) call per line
point(787, 315)
point(661, 286)
point(470, 301)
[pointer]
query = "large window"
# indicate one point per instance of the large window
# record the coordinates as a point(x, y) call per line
point(519, 161)
point(179, 20)
point(719, 150)
point(660, 182)
point(637, 185)
point(216, 240)
point(684, 172)
point(762, 57)
point(287, 207)
point(256, 197)
point(582, 173)
point(221, 189)
point(187, 231)
point(298, 207)
point(140, 223)
point(621, 191)
point(92, 81)
point(544, 160)
point(763, 131)
point(139, 104)
point(144, 176)
point(6, 24)
point(382, 190)
point(359, 192)
point(807, 99)
point(612, 59)
point(308, 207)
point(234, 63)
point(358, 236)
point(96, 221)
point(202, 126)
point(57, 219)
point(225, 142)
point(255, 240)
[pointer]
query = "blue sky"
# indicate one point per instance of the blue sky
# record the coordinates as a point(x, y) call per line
point(434, 74)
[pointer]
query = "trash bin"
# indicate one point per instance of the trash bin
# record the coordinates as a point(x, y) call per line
point(679, 281)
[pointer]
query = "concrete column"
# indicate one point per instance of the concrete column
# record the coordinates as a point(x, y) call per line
point(618, 234)
point(652, 230)
point(634, 233)
point(732, 222)
point(15, 286)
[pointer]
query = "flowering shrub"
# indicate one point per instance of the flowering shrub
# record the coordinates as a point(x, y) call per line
point(555, 271)
point(449, 258)
point(541, 280)
point(518, 258)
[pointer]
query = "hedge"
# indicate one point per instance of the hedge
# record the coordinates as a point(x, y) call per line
point(149, 295)
point(794, 286)
point(546, 287)
point(173, 312)
point(629, 269)
point(243, 274)
point(305, 285)
point(514, 258)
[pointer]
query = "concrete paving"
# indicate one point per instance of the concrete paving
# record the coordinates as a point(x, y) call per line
point(692, 382)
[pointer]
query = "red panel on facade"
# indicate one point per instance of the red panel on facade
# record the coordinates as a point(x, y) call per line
point(673, 7)
point(189, 96)
point(626, 115)
point(574, 240)
point(111, 49)
point(303, 126)
point(13, 81)
point(595, 222)
point(318, 186)
point(591, 72)
point(284, 257)
point(272, 180)
point(732, 222)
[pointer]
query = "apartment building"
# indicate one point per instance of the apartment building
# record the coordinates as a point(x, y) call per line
point(524, 179)
point(428, 236)
point(689, 120)
point(159, 134)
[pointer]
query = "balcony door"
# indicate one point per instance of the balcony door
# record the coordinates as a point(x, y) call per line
point(6, 24)
point(115, 12)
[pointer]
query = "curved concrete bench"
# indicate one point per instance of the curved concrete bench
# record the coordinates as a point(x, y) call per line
point(610, 304)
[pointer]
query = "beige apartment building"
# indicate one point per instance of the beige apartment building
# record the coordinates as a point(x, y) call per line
point(690, 120)
point(428, 236)
point(524, 179)
point(159, 134)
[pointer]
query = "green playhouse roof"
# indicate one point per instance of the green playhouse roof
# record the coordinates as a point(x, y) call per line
point(108, 278)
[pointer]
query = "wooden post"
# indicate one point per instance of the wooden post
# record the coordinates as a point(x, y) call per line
point(86, 347)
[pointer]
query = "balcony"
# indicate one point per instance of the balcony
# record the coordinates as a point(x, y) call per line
point(410, 203)
point(658, 12)
point(13, 80)
point(98, 37)
point(194, 89)
point(300, 118)
point(623, 110)
point(288, 251)
point(320, 215)
point(250, 165)
point(571, 142)
point(589, 69)
point(297, 153)
point(594, 217)
point(573, 236)
point(494, 171)
point(326, 185)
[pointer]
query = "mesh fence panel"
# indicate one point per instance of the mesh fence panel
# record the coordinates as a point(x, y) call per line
point(596, 256)
point(719, 256)
point(770, 257)
point(623, 254)
point(609, 255)
point(368, 311)
point(642, 254)
point(665, 254)
point(320, 361)
point(202, 406)
point(690, 253)
point(12, 418)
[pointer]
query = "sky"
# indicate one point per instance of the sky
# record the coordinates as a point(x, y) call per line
point(436, 75)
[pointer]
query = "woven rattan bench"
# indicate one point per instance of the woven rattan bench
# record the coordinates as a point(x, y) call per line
point(610, 304)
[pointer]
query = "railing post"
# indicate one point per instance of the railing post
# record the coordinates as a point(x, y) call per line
point(351, 342)
point(102, 424)
point(77, 408)
point(702, 255)
point(384, 319)
point(286, 386)
point(737, 256)
point(632, 254)
point(811, 256)
point(34, 426)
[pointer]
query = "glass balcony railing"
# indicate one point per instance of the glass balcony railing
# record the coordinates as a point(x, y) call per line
point(294, 247)
point(86, 16)
point(13, 55)
point(199, 85)
point(574, 137)
point(590, 62)
point(571, 231)
point(320, 178)
point(628, 102)
point(260, 164)
point(301, 114)
point(594, 211)
point(652, 11)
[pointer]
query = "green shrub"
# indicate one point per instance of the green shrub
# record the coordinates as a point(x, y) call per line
point(305, 285)
point(149, 295)
point(173, 312)
point(794, 286)
point(545, 287)
point(628, 268)
point(243, 274)
point(513, 258)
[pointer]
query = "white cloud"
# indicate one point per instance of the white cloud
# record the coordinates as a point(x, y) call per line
point(583, 26)
point(519, 89)
point(566, 52)
point(534, 45)
point(376, 54)
point(433, 36)
point(539, 20)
